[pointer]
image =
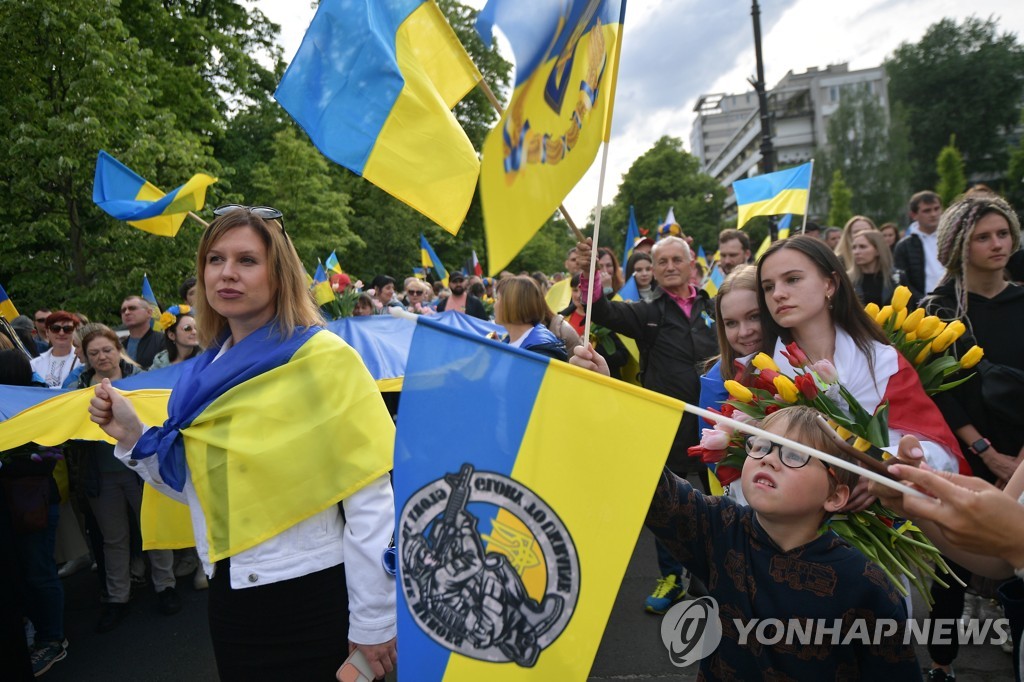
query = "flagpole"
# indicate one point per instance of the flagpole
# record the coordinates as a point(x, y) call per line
point(593, 249)
point(807, 206)
point(199, 220)
point(501, 111)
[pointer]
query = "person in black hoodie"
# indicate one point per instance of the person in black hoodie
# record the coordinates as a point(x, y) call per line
point(976, 237)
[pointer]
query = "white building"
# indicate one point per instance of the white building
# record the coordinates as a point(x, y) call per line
point(726, 135)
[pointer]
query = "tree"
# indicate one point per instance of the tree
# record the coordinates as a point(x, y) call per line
point(1015, 175)
point(663, 177)
point(950, 166)
point(870, 152)
point(965, 79)
point(840, 196)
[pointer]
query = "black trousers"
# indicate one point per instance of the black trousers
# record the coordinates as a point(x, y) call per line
point(292, 630)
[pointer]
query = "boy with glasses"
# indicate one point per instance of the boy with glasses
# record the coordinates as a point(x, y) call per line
point(773, 560)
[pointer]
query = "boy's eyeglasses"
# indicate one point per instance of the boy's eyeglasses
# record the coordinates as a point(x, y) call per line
point(58, 328)
point(265, 212)
point(758, 448)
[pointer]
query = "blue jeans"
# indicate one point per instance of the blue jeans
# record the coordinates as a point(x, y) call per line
point(45, 593)
point(667, 564)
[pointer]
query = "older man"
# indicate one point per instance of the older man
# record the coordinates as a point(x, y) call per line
point(675, 334)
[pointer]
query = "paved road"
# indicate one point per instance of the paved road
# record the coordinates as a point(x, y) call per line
point(150, 647)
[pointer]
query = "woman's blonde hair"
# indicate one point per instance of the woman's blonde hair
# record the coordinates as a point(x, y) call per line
point(877, 240)
point(521, 301)
point(293, 302)
point(843, 248)
point(743, 278)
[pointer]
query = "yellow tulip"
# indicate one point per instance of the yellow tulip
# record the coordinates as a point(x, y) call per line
point(883, 314)
point(900, 298)
point(739, 391)
point(958, 329)
point(872, 310)
point(901, 317)
point(971, 357)
point(911, 336)
point(786, 388)
point(764, 361)
point(843, 433)
point(953, 331)
point(923, 355)
point(861, 444)
point(929, 327)
point(913, 321)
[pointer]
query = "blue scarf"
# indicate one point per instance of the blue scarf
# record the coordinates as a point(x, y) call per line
point(202, 381)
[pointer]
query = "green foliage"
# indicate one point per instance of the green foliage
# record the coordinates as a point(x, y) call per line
point(840, 198)
point(664, 177)
point(1015, 176)
point(965, 79)
point(870, 151)
point(950, 167)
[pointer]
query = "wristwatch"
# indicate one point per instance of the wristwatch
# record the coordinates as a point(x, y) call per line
point(979, 446)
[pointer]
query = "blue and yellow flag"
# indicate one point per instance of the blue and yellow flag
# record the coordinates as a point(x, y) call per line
point(149, 297)
point(429, 259)
point(702, 257)
point(629, 290)
point(784, 224)
point(786, 191)
point(7, 308)
point(714, 280)
point(373, 85)
point(761, 250)
point(508, 567)
point(632, 235)
point(333, 265)
point(567, 56)
point(670, 228)
point(124, 194)
point(559, 295)
point(322, 291)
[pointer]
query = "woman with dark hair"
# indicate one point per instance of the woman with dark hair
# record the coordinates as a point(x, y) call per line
point(640, 266)
point(187, 291)
point(872, 274)
point(611, 271)
point(520, 308)
point(806, 297)
point(261, 414)
point(976, 237)
point(181, 337)
point(384, 294)
point(891, 233)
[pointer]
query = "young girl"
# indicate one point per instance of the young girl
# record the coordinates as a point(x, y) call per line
point(806, 297)
point(641, 268)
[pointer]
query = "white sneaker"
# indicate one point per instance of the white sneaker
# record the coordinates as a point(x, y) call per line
point(199, 580)
point(74, 566)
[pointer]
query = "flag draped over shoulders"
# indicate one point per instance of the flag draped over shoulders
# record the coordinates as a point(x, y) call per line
point(560, 111)
point(273, 432)
point(513, 546)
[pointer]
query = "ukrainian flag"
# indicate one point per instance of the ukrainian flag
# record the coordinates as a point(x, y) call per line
point(333, 265)
point(373, 85)
point(784, 224)
point(507, 512)
point(429, 260)
point(714, 280)
point(125, 195)
point(322, 291)
point(7, 308)
point(786, 191)
point(702, 257)
point(566, 57)
point(761, 250)
point(149, 297)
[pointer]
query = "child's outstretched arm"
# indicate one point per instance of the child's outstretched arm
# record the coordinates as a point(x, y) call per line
point(683, 519)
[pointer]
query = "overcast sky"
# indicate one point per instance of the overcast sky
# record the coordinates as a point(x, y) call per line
point(676, 50)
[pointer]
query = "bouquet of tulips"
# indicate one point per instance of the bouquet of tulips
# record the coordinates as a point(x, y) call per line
point(895, 545)
point(925, 341)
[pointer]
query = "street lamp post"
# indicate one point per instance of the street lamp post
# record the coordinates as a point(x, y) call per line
point(767, 149)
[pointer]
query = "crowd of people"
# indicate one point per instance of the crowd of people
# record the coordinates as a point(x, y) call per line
point(248, 318)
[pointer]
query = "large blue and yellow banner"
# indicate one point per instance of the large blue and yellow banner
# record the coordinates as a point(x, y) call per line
point(373, 85)
point(514, 533)
point(124, 194)
point(566, 63)
point(785, 191)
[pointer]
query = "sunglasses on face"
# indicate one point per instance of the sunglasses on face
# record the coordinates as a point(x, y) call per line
point(415, 293)
point(265, 212)
point(40, 320)
point(58, 328)
point(759, 448)
point(187, 328)
point(129, 308)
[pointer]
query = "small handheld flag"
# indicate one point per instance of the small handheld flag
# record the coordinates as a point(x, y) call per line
point(7, 308)
point(124, 194)
point(149, 297)
point(333, 265)
point(429, 260)
point(632, 234)
point(322, 286)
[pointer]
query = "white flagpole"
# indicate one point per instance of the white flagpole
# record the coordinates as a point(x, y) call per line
point(593, 249)
point(807, 206)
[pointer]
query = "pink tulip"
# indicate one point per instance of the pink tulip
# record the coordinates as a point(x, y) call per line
point(826, 371)
point(713, 439)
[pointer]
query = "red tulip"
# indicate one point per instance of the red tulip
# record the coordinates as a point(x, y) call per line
point(727, 474)
point(805, 384)
point(796, 357)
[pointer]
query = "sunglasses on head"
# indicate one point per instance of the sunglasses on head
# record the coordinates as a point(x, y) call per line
point(265, 212)
point(66, 328)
